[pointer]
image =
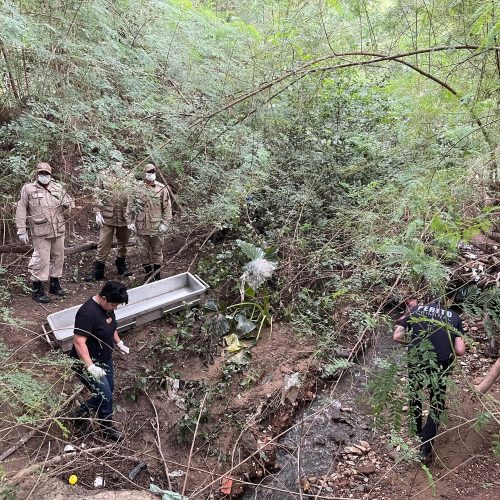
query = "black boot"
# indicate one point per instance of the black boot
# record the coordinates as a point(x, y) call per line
point(81, 421)
point(156, 272)
point(97, 273)
point(121, 266)
point(109, 431)
point(55, 287)
point(148, 269)
point(38, 293)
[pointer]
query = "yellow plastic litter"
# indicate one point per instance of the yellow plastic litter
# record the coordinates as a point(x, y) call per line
point(72, 479)
point(233, 343)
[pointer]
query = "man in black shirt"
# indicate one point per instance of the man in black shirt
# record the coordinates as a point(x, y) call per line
point(435, 340)
point(94, 336)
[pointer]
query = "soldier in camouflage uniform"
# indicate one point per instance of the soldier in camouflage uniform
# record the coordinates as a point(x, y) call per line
point(149, 211)
point(42, 207)
point(110, 198)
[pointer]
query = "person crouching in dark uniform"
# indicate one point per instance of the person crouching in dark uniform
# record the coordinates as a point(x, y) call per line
point(95, 336)
point(435, 340)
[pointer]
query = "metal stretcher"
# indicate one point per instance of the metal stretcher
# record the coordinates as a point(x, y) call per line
point(146, 303)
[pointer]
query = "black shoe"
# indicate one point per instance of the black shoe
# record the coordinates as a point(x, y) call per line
point(38, 293)
point(121, 267)
point(425, 458)
point(112, 433)
point(97, 273)
point(148, 269)
point(425, 454)
point(55, 287)
point(81, 421)
point(156, 272)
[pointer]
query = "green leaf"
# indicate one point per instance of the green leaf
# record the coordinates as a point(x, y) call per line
point(244, 325)
point(251, 251)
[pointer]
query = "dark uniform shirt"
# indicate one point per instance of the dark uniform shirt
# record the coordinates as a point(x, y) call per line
point(441, 337)
point(99, 326)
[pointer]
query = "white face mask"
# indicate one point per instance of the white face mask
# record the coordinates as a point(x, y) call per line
point(44, 179)
point(150, 177)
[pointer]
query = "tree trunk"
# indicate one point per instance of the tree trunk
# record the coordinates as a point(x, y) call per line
point(10, 73)
point(91, 245)
point(490, 379)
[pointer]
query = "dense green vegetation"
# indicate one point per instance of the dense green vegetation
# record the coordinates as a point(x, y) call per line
point(358, 138)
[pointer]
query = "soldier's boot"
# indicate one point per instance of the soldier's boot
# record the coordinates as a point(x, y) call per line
point(121, 267)
point(55, 287)
point(148, 269)
point(97, 273)
point(38, 293)
point(156, 272)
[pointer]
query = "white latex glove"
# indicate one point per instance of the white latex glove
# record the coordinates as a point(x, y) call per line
point(132, 228)
point(162, 228)
point(24, 239)
point(96, 371)
point(123, 348)
point(99, 220)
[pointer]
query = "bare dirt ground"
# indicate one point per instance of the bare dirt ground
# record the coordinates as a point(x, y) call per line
point(241, 414)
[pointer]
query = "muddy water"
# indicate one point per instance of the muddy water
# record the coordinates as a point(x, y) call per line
point(338, 416)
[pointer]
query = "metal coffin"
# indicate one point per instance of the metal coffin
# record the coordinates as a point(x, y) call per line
point(146, 303)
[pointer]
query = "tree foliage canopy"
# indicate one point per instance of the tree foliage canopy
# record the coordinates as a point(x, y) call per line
point(341, 132)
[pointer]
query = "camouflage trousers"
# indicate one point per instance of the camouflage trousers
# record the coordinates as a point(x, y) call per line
point(106, 240)
point(151, 249)
point(47, 259)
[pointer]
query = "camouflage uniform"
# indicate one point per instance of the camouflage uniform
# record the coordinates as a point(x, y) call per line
point(42, 208)
point(150, 207)
point(110, 200)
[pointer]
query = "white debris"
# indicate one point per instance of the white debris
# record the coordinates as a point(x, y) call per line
point(99, 482)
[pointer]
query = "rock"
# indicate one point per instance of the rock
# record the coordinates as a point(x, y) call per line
point(365, 444)
point(306, 486)
point(352, 450)
point(366, 469)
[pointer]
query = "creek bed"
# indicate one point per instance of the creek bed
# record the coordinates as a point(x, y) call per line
point(339, 416)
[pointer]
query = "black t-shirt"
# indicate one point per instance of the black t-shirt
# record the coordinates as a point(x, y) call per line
point(99, 326)
point(441, 337)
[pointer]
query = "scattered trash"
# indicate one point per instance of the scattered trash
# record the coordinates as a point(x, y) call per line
point(72, 479)
point(174, 385)
point(69, 448)
point(176, 473)
point(291, 387)
point(226, 486)
point(237, 352)
point(99, 482)
point(166, 494)
point(136, 470)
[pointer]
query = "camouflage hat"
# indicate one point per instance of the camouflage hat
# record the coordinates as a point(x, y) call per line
point(149, 167)
point(43, 167)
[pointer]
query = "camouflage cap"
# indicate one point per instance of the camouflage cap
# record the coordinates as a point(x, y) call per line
point(43, 167)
